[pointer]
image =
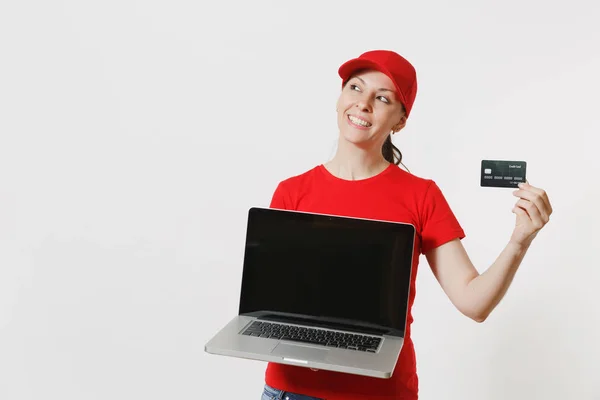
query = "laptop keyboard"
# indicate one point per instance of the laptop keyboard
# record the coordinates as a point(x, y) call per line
point(322, 337)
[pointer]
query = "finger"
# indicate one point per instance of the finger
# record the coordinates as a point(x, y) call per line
point(537, 200)
point(519, 211)
point(532, 211)
point(541, 192)
point(543, 195)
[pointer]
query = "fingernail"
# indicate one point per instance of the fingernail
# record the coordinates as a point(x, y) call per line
point(521, 184)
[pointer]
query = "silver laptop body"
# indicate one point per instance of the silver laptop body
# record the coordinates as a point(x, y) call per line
point(321, 291)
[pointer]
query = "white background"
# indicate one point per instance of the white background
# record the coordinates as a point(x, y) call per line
point(134, 136)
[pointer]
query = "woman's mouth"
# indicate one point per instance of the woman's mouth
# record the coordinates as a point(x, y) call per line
point(361, 123)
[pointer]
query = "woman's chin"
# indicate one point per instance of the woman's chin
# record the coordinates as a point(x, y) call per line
point(357, 140)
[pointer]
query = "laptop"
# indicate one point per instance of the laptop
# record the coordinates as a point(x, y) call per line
point(321, 291)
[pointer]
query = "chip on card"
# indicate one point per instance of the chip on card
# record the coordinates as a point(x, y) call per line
point(500, 173)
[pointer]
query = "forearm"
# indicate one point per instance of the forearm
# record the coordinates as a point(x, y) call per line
point(474, 294)
point(485, 291)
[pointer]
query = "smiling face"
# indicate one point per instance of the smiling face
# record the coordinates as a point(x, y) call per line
point(369, 109)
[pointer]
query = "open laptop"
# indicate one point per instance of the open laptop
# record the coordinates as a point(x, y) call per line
point(321, 291)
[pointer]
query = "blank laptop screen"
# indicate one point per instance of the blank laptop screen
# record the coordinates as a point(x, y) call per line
point(327, 267)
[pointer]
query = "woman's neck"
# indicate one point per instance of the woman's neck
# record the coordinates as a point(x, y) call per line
point(355, 163)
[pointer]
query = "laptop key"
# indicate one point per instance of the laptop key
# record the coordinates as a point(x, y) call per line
point(293, 339)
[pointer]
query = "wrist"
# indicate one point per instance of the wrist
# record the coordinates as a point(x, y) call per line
point(519, 247)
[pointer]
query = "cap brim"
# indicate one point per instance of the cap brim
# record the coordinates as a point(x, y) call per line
point(349, 67)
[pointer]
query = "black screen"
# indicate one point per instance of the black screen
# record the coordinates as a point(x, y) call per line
point(333, 268)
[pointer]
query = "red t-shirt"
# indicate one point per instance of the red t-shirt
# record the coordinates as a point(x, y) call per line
point(393, 195)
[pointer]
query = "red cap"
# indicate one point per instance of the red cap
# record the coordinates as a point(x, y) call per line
point(396, 67)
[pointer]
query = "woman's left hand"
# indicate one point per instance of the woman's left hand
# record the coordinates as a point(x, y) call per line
point(533, 211)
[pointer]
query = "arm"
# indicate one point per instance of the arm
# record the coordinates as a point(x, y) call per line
point(473, 294)
point(476, 295)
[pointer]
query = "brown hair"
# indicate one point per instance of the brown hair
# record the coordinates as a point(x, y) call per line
point(391, 153)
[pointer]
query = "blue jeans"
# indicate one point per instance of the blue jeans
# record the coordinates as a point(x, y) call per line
point(275, 394)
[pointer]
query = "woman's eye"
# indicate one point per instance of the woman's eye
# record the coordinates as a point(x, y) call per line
point(384, 99)
point(354, 87)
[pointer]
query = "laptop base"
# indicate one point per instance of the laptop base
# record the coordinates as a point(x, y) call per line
point(230, 342)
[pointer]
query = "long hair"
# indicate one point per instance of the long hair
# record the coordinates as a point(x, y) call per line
point(391, 153)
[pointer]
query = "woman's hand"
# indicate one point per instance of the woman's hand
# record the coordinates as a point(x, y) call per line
point(533, 211)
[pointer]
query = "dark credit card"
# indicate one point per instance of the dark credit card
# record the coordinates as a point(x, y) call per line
point(498, 173)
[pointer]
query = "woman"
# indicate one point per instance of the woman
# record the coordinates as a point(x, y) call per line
point(363, 180)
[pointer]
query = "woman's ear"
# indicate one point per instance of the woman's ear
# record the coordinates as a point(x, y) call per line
point(400, 125)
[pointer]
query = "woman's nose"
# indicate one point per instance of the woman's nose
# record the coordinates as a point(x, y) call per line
point(364, 105)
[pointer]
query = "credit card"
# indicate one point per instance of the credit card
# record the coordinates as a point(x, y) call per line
point(500, 173)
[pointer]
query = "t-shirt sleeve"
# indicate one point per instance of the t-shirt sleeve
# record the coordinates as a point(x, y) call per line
point(281, 198)
point(439, 224)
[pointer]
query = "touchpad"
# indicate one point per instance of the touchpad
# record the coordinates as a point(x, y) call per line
point(300, 352)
